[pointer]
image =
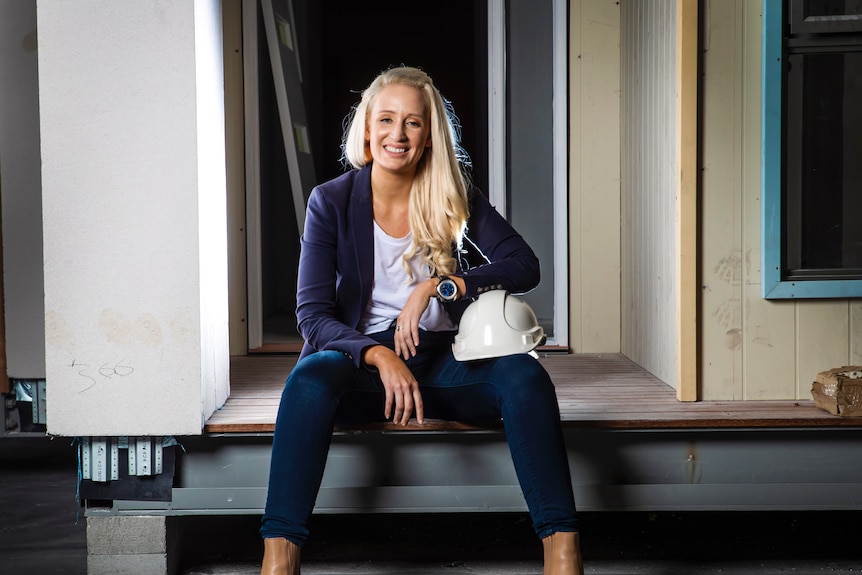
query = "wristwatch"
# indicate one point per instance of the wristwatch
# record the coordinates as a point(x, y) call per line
point(447, 289)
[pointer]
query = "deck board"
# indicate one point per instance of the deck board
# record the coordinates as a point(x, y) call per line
point(594, 391)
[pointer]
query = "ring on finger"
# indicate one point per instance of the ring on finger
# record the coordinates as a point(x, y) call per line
point(398, 328)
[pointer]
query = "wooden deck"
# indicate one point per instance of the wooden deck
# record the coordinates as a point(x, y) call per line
point(594, 391)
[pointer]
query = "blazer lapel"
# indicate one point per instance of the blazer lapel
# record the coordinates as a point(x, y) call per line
point(361, 220)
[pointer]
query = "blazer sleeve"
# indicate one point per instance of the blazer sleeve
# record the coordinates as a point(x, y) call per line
point(324, 254)
point(510, 262)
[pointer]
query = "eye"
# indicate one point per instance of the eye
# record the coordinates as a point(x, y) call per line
point(414, 124)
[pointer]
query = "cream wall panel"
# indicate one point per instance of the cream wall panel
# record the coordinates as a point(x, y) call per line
point(769, 370)
point(720, 203)
point(576, 267)
point(649, 184)
point(752, 348)
point(594, 176)
point(747, 344)
point(599, 221)
point(133, 183)
point(823, 335)
point(855, 332)
point(768, 327)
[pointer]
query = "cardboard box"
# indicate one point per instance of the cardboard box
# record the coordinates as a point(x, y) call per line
point(839, 390)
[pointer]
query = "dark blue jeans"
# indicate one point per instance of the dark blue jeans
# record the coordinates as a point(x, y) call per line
point(326, 388)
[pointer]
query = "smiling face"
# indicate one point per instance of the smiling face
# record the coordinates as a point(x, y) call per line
point(398, 129)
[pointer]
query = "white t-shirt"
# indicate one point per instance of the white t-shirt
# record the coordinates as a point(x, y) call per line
point(392, 287)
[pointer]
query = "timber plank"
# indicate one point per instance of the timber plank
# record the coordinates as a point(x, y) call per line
point(594, 391)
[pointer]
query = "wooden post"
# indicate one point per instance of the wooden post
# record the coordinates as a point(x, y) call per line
point(687, 142)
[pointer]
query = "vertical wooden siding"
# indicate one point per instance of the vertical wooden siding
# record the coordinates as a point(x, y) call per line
point(751, 348)
point(649, 278)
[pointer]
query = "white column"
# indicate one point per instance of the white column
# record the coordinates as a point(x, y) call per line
point(134, 217)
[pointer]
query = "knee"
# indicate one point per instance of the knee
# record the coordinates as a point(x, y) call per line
point(521, 378)
point(320, 375)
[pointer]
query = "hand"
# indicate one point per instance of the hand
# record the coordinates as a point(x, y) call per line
point(407, 323)
point(401, 388)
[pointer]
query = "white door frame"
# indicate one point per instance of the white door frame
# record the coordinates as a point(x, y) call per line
point(561, 174)
point(497, 145)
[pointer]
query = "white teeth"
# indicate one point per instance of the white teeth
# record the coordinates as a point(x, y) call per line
point(397, 150)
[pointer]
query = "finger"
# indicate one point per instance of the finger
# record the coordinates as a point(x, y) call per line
point(401, 349)
point(408, 408)
point(387, 406)
point(411, 340)
point(403, 344)
point(400, 339)
point(420, 408)
point(399, 407)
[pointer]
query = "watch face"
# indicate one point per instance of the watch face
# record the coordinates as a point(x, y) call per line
point(447, 289)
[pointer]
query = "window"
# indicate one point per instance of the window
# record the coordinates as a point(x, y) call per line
point(812, 145)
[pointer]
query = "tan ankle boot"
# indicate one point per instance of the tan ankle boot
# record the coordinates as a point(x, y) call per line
point(280, 557)
point(563, 554)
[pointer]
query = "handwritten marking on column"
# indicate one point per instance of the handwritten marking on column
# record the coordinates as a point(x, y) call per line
point(107, 370)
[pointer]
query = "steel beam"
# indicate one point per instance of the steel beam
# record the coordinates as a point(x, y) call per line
point(612, 470)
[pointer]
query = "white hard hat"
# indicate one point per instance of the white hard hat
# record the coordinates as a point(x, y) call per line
point(497, 324)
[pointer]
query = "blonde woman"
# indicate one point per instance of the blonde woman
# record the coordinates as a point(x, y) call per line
point(381, 288)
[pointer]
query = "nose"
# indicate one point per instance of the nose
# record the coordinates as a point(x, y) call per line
point(398, 131)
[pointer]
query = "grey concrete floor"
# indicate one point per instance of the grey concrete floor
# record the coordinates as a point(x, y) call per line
point(41, 533)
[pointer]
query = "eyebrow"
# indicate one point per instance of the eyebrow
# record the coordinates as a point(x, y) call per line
point(421, 116)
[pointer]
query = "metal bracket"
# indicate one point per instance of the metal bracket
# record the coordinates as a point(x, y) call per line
point(100, 456)
point(23, 410)
point(126, 468)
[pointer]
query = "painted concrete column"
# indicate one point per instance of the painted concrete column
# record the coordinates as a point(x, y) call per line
point(134, 217)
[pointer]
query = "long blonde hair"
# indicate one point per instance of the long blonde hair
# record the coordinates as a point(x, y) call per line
point(438, 198)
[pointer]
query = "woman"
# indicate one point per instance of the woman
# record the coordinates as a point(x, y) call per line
point(381, 288)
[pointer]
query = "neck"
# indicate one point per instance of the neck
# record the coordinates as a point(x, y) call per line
point(392, 187)
point(391, 202)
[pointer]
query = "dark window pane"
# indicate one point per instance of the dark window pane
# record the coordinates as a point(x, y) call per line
point(824, 164)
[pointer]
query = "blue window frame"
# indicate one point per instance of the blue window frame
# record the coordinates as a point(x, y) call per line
point(776, 282)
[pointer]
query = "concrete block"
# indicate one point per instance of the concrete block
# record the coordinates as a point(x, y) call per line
point(146, 564)
point(126, 535)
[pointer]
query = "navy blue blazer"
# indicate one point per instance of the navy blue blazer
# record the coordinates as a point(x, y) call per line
point(337, 258)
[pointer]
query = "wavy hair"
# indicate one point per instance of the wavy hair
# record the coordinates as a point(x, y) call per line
point(438, 199)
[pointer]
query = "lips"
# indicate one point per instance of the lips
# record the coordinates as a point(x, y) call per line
point(394, 150)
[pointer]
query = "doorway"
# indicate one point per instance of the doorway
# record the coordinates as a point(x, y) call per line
point(339, 55)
